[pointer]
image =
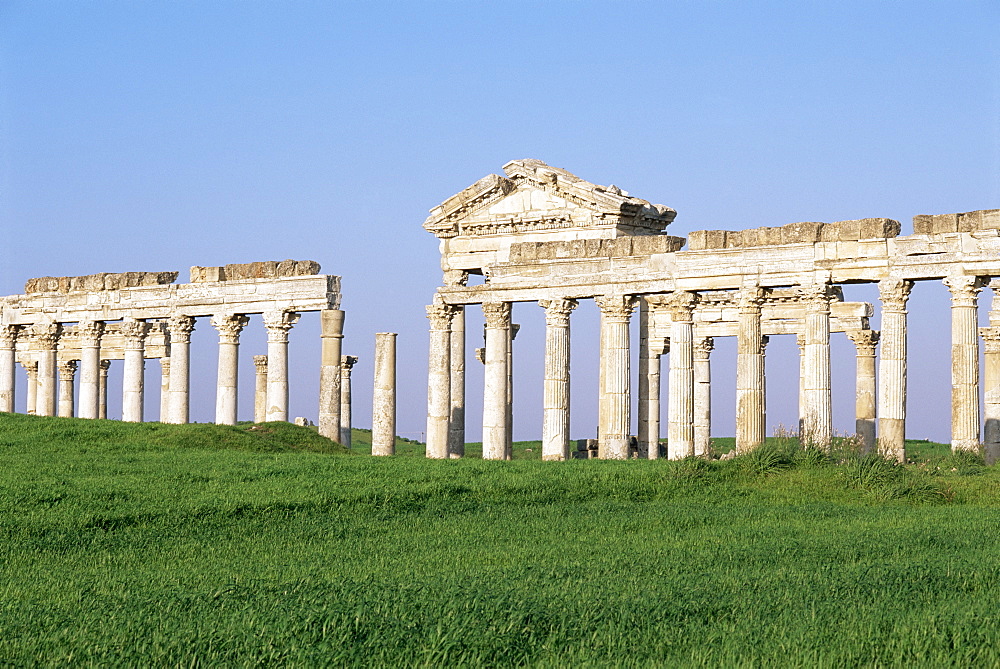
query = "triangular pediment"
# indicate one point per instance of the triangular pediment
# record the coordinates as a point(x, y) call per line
point(535, 197)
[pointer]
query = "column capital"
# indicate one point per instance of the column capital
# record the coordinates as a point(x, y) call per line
point(703, 346)
point(278, 323)
point(497, 314)
point(47, 335)
point(441, 315)
point(750, 299)
point(8, 335)
point(816, 296)
point(864, 340)
point(134, 331)
point(67, 367)
point(89, 333)
point(893, 293)
point(260, 362)
point(616, 307)
point(180, 328)
point(557, 311)
point(229, 326)
point(680, 304)
point(991, 339)
point(964, 289)
point(104, 367)
point(31, 367)
point(347, 362)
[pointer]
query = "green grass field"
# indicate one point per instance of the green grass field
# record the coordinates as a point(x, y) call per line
point(201, 545)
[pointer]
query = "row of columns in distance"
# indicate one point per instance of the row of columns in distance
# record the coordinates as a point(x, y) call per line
point(687, 426)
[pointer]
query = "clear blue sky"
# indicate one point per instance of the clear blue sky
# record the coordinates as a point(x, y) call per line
point(160, 135)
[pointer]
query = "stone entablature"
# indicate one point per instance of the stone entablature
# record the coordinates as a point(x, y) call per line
point(794, 233)
point(619, 247)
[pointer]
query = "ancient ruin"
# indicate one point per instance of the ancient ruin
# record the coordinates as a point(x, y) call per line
point(64, 326)
point(541, 234)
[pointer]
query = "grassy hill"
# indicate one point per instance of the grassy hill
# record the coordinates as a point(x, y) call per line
point(140, 545)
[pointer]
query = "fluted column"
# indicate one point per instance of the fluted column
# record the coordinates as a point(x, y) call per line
point(819, 415)
point(260, 389)
point(164, 390)
point(31, 396)
point(651, 350)
point(278, 324)
point(680, 435)
point(89, 335)
point(456, 424)
point(703, 395)
point(67, 372)
point(616, 411)
point(497, 376)
point(750, 397)
point(347, 363)
point(991, 392)
point(556, 389)
point(964, 362)
point(229, 326)
point(47, 338)
point(864, 407)
point(8, 345)
point(893, 293)
point(180, 329)
point(439, 379)
point(384, 398)
point(102, 389)
point(133, 373)
point(331, 341)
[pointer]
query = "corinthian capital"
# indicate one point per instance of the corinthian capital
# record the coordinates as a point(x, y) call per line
point(964, 289)
point(260, 362)
point(616, 307)
point(67, 368)
point(347, 363)
point(864, 340)
point(703, 346)
point(991, 339)
point(8, 335)
point(557, 311)
point(497, 314)
point(816, 296)
point(134, 332)
point(230, 326)
point(46, 334)
point(89, 333)
point(893, 293)
point(441, 315)
point(278, 323)
point(180, 328)
point(681, 305)
point(750, 299)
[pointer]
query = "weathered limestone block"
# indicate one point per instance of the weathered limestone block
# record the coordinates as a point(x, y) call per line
point(97, 282)
point(268, 269)
point(807, 232)
point(970, 221)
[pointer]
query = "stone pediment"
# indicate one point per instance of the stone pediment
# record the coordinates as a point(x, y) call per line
point(534, 197)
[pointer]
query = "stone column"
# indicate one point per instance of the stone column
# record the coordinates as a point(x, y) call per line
point(616, 412)
point(818, 427)
point(67, 372)
point(439, 379)
point(229, 326)
point(703, 396)
point(456, 426)
point(680, 435)
point(384, 398)
point(278, 324)
point(497, 375)
point(556, 389)
point(347, 363)
point(800, 341)
point(8, 344)
point(47, 338)
point(509, 421)
point(180, 329)
point(31, 397)
point(651, 349)
point(133, 374)
point(102, 407)
point(89, 335)
point(164, 390)
point(991, 391)
point(864, 407)
point(964, 362)
point(331, 340)
point(260, 389)
point(750, 396)
point(893, 294)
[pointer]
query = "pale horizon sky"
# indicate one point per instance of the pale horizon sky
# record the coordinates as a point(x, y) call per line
point(161, 135)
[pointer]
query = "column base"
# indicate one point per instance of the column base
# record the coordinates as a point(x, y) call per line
point(891, 442)
point(865, 429)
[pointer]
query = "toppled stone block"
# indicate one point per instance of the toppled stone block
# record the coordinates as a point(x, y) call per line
point(268, 269)
point(98, 282)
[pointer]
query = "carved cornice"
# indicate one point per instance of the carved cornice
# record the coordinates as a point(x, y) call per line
point(46, 335)
point(703, 347)
point(557, 311)
point(864, 340)
point(8, 335)
point(441, 315)
point(497, 314)
point(260, 362)
point(230, 326)
point(616, 307)
point(893, 293)
point(278, 323)
point(964, 289)
point(347, 362)
point(180, 329)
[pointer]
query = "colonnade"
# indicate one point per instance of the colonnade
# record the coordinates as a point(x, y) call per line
point(880, 407)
